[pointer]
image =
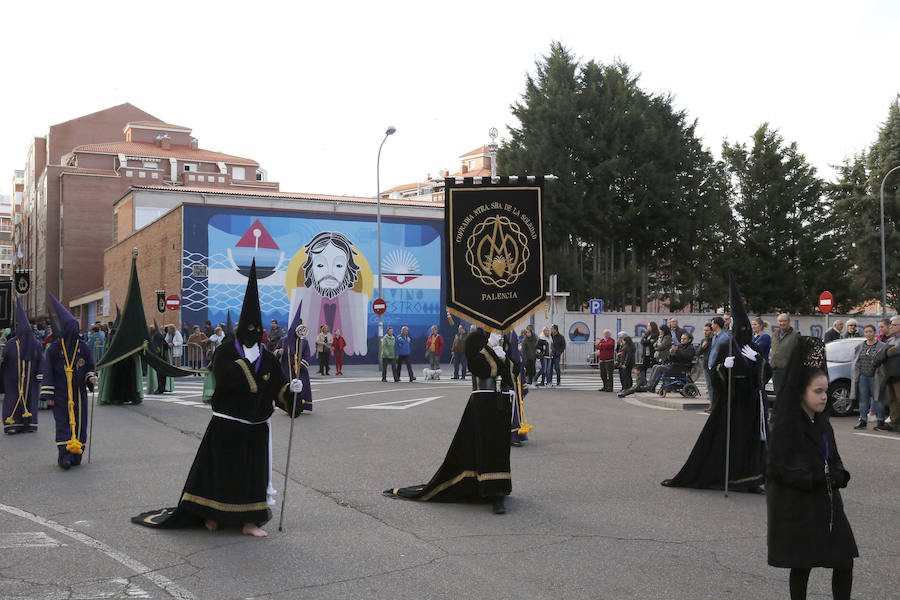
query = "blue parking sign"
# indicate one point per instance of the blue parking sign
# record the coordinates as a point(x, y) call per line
point(596, 306)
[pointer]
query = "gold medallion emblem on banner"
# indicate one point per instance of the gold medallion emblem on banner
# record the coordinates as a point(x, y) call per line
point(497, 251)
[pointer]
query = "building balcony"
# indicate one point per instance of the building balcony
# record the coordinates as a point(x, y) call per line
point(142, 174)
point(205, 179)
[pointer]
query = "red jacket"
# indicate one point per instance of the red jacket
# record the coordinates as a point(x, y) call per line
point(339, 344)
point(437, 340)
point(605, 348)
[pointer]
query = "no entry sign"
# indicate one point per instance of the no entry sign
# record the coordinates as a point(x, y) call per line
point(173, 302)
point(826, 302)
point(379, 306)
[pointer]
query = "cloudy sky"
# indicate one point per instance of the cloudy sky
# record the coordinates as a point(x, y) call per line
point(307, 89)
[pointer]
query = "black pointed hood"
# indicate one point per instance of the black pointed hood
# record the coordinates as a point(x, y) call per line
point(741, 332)
point(250, 313)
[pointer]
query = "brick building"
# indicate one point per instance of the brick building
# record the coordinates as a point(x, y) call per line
point(77, 171)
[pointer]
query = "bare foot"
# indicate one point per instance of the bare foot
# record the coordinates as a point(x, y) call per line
point(211, 525)
point(252, 529)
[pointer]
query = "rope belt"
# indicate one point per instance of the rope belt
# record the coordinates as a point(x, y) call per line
point(73, 445)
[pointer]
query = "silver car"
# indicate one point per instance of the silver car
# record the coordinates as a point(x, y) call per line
point(839, 356)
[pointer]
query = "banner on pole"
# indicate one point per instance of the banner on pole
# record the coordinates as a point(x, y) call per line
point(495, 260)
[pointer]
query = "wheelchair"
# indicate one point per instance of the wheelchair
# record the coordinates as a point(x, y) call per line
point(680, 382)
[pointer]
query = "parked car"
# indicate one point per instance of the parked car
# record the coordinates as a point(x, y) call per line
point(839, 357)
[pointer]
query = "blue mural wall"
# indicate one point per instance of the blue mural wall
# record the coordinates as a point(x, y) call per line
point(323, 265)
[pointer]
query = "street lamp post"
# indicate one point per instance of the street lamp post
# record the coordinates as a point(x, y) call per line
point(389, 131)
point(492, 148)
point(883, 264)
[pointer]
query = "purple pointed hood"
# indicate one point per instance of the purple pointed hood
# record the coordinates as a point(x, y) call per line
point(28, 344)
point(65, 326)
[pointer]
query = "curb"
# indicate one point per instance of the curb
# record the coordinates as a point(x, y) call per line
point(675, 401)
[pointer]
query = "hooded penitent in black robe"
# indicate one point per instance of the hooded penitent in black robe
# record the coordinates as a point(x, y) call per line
point(159, 383)
point(294, 358)
point(20, 374)
point(477, 464)
point(230, 480)
point(705, 467)
point(66, 370)
point(807, 526)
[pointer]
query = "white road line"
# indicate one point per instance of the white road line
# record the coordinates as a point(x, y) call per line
point(28, 539)
point(170, 587)
point(375, 392)
point(397, 404)
point(875, 435)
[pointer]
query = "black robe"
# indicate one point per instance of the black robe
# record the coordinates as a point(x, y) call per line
point(229, 478)
point(806, 528)
point(477, 464)
point(705, 467)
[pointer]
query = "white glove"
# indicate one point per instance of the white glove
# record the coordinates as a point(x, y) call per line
point(296, 386)
point(749, 353)
point(729, 362)
point(499, 352)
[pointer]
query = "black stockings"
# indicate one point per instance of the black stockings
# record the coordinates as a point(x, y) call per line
point(841, 583)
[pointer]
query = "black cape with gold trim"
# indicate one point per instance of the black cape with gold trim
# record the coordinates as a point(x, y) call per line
point(228, 480)
point(477, 465)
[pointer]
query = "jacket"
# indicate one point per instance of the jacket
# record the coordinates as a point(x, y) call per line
point(557, 344)
point(782, 348)
point(880, 379)
point(339, 344)
point(434, 344)
point(542, 348)
point(662, 348)
point(605, 348)
point(888, 360)
point(459, 344)
point(403, 344)
point(388, 343)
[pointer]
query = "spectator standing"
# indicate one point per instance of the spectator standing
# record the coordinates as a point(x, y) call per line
point(529, 353)
point(557, 348)
point(458, 353)
point(884, 327)
point(434, 345)
point(339, 344)
point(96, 342)
point(275, 334)
point(196, 346)
point(208, 330)
point(834, 333)
point(542, 353)
point(889, 357)
point(676, 331)
point(404, 352)
point(324, 342)
point(662, 345)
point(719, 344)
point(176, 344)
point(48, 338)
point(648, 340)
point(185, 330)
point(852, 329)
point(216, 339)
point(606, 353)
point(625, 360)
point(388, 349)
point(783, 343)
point(703, 355)
point(866, 380)
point(762, 339)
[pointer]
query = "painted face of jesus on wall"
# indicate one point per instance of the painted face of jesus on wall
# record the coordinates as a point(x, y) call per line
point(329, 267)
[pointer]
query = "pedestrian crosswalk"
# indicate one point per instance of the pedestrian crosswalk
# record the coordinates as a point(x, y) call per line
point(591, 382)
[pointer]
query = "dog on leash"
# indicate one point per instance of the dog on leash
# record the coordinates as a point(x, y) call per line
point(431, 373)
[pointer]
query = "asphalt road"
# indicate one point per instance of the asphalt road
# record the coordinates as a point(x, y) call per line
point(587, 517)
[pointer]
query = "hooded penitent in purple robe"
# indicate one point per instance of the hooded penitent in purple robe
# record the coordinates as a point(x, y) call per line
point(20, 373)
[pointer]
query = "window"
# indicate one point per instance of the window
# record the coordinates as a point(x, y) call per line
point(190, 167)
point(237, 173)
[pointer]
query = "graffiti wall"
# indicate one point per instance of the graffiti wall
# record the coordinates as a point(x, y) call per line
point(325, 266)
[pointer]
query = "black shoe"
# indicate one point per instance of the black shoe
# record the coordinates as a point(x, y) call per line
point(499, 507)
point(667, 482)
point(516, 444)
point(384, 380)
point(65, 463)
point(861, 425)
point(882, 427)
point(411, 379)
point(454, 377)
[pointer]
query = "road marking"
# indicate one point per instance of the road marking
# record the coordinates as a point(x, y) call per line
point(394, 390)
point(875, 435)
point(28, 539)
point(164, 583)
point(398, 404)
point(636, 402)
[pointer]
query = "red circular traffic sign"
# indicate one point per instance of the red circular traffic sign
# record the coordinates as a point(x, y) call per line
point(173, 302)
point(826, 302)
point(379, 306)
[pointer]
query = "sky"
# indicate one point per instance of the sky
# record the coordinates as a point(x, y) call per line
point(307, 89)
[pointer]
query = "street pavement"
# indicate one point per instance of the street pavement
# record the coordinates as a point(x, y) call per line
point(587, 517)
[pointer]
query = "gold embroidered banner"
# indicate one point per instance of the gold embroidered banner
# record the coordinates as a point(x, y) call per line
point(495, 262)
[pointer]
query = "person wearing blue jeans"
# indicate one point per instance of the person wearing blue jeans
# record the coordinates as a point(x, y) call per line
point(458, 353)
point(403, 351)
point(862, 373)
point(557, 347)
point(542, 353)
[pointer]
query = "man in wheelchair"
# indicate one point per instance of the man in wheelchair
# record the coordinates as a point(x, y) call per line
point(676, 376)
